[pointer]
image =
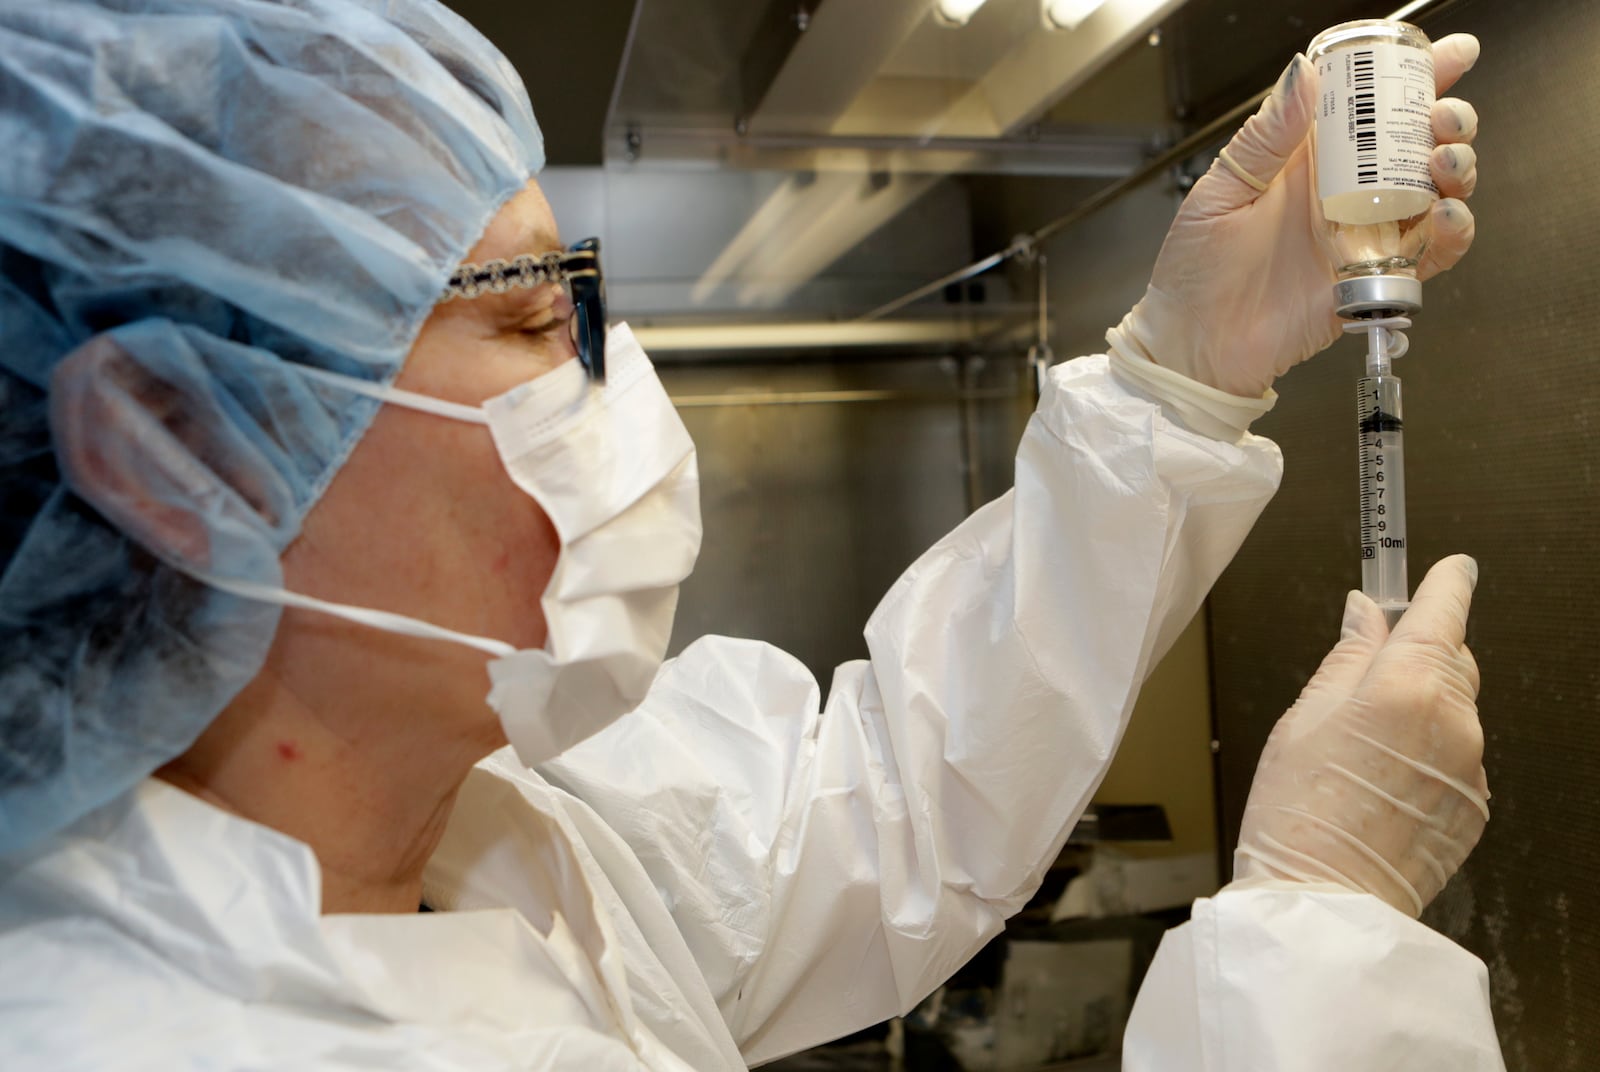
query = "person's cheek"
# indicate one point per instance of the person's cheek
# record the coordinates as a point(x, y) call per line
point(513, 547)
point(528, 564)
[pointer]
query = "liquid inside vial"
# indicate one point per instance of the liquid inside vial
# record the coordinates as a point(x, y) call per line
point(1381, 246)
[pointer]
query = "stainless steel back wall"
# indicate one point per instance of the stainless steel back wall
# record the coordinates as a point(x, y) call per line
point(1502, 389)
point(813, 509)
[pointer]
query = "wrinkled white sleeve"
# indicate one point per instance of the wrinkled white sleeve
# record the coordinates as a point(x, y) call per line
point(829, 862)
point(1279, 979)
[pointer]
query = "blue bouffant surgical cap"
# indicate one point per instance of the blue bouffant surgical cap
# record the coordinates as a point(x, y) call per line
point(197, 199)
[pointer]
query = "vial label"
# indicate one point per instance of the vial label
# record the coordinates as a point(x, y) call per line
point(1374, 120)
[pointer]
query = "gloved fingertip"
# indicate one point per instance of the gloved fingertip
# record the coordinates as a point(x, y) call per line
point(1468, 47)
point(1290, 77)
point(1453, 223)
point(1296, 91)
point(1362, 617)
point(1454, 120)
point(1283, 120)
point(1465, 564)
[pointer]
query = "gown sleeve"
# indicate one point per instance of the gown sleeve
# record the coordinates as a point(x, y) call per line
point(830, 860)
point(1296, 979)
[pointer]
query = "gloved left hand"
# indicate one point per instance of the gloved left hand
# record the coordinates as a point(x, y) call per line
point(1374, 779)
point(1242, 291)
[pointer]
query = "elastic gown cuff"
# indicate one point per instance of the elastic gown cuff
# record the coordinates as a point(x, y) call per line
point(1204, 409)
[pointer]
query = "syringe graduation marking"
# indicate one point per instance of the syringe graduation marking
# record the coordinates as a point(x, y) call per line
point(1382, 499)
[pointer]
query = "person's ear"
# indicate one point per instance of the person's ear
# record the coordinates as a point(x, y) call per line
point(112, 424)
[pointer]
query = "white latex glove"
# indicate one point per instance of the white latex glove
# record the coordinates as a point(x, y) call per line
point(1374, 779)
point(1242, 292)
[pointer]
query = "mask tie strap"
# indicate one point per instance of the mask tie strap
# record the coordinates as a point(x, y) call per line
point(377, 619)
point(397, 396)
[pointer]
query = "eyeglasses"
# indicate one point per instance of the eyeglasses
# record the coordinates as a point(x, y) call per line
point(578, 269)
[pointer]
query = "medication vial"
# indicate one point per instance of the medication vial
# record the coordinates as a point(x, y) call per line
point(1374, 137)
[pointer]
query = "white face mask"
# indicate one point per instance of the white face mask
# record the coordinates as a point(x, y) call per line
point(614, 469)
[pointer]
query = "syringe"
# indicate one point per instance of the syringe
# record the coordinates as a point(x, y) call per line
point(1381, 435)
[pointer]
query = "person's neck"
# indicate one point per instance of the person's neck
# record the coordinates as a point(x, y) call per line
point(371, 805)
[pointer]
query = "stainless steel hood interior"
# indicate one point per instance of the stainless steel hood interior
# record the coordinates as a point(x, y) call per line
point(809, 160)
point(860, 115)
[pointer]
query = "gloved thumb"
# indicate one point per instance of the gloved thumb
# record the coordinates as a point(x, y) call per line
point(1267, 140)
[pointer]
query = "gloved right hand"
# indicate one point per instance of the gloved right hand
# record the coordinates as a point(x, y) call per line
point(1242, 291)
point(1374, 779)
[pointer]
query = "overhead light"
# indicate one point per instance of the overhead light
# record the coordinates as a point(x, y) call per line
point(1068, 14)
point(956, 12)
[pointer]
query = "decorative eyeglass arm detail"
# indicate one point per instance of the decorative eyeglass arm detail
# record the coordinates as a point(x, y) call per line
point(526, 271)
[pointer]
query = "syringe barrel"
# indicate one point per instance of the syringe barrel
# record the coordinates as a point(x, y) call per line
point(1381, 437)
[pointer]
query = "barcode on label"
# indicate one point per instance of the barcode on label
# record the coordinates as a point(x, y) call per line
point(1366, 118)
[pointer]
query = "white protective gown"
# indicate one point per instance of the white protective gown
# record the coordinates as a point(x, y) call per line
point(743, 868)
